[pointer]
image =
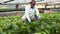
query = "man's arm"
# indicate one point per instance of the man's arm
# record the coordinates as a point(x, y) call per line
point(37, 12)
point(27, 13)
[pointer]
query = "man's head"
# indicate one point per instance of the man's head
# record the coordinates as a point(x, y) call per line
point(32, 3)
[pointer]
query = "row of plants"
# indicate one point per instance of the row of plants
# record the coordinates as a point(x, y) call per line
point(5, 8)
point(49, 23)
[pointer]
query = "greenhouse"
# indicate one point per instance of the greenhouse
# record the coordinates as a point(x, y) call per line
point(11, 12)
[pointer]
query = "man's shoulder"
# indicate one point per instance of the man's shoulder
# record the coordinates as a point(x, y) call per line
point(27, 5)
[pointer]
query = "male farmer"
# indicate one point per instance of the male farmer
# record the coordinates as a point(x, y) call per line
point(31, 12)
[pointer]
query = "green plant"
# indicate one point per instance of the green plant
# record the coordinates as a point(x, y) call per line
point(4, 8)
point(48, 24)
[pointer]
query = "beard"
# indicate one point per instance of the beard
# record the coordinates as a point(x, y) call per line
point(32, 6)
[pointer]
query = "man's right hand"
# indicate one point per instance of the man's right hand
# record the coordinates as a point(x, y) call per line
point(30, 21)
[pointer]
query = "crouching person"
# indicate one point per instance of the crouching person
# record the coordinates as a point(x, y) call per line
point(31, 12)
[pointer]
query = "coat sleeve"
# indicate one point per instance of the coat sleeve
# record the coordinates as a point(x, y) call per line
point(27, 13)
point(37, 12)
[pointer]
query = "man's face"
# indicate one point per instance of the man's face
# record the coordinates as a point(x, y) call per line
point(32, 4)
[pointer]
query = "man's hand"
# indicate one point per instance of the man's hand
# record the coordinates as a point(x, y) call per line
point(36, 17)
point(30, 21)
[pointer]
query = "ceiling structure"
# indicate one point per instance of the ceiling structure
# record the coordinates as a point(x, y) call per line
point(27, 1)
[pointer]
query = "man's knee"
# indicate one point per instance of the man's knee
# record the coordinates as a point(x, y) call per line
point(39, 18)
point(32, 18)
point(23, 19)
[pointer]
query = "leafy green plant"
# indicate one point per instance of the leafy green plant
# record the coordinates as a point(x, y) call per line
point(4, 8)
point(48, 24)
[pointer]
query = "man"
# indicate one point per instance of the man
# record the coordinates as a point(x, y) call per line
point(17, 5)
point(31, 12)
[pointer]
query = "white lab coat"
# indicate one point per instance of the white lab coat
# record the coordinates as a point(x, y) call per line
point(29, 12)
